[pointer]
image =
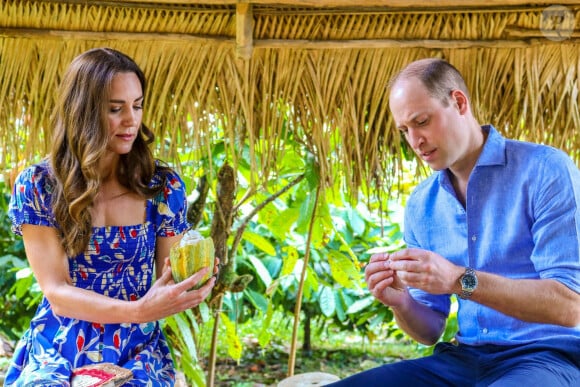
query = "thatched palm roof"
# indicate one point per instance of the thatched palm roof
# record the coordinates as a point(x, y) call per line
point(259, 67)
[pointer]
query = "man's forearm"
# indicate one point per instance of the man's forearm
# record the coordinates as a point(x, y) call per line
point(533, 300)
point(420, 322)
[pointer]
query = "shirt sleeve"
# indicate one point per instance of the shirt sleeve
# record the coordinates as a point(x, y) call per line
point(556, 226)
point(30, 202)
point(172, 207)
point(441, 302)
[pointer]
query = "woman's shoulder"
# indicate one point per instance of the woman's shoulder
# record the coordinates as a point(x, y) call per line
point(169, 205)
point(166, 177)
point(36, 175)
point(30, 202)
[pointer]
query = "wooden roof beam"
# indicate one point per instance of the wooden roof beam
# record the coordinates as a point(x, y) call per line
point(403, 3)
point(386, 4)
point(244, 31)
point(521, 38)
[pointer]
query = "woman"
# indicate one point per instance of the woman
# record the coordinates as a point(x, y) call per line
point(96, 218)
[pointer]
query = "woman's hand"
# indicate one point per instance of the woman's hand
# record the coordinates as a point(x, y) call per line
point(166, 297)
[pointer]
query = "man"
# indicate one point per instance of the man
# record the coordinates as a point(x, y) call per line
point(497, 224)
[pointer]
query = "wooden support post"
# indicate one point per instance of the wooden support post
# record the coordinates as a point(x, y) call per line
point(244, 31)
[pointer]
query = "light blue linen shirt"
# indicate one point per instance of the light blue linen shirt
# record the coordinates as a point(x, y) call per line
point(521, 220)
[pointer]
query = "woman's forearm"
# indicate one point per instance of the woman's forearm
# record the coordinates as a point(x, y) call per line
point(82, 304)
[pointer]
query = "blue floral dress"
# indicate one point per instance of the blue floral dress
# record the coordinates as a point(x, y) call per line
point(118, 263)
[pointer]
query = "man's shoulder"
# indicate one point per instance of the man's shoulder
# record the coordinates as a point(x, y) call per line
point(515, 148)
point(513, 145)
point(535, 153)
point(425, 187)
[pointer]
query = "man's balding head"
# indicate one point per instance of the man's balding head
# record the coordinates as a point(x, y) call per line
point(438, 76)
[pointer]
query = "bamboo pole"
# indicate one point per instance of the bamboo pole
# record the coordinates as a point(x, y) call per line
point(298, 306)
point(40, 33)
point(407, 4)
point(535, 33)
point(405, 43)
point(523, 42)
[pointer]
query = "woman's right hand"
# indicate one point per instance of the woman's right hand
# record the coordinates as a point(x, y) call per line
point(166, 297)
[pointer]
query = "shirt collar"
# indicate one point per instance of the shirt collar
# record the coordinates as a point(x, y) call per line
point(493, 152)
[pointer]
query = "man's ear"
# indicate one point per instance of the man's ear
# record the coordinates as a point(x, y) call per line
point(460, 100)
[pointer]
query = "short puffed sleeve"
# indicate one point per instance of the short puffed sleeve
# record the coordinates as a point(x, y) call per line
point(30, 202)
point(170, 205)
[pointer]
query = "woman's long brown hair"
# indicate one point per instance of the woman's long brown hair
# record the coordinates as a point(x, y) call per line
point(80, 141)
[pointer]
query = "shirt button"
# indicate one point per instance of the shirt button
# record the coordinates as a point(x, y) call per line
point(484, 330)
point(474, 238)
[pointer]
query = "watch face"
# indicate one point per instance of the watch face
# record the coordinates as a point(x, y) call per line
point(469, 282)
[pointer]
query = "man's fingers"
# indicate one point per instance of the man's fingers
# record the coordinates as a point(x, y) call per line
point(375, 278)
point(379, 257)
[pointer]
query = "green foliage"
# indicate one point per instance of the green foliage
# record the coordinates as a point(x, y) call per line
point(274, 246)
point(18, 287)
point(181, 330)
point(343, 239)
point(345, 233)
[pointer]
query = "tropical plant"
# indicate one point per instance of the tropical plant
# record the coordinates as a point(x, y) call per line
point(18, 287)
point(301, 243)
point(290, 242)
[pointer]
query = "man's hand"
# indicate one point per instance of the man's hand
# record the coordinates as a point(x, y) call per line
point(426, 270)
point(383, 282)
point(389, 286)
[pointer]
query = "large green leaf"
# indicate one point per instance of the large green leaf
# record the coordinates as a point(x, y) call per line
point(183, 348)
point(268, 215)
point(186, 334)
point(290, 260)
point(312, 280)
point(292, 161)
point(259, 241)
point(360, 305)
point(232, 342)
point(312, 172)
point(264, 336)
point(343, 269)
point(305, 214)
point(261, 270)
point(346, 248)
point(327, 301)
point(319, 235)
point(257, 299)
point(283, 222)
point(339, 305)
point(356, 222)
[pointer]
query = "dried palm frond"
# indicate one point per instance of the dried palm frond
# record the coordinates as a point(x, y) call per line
point(317, 71)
